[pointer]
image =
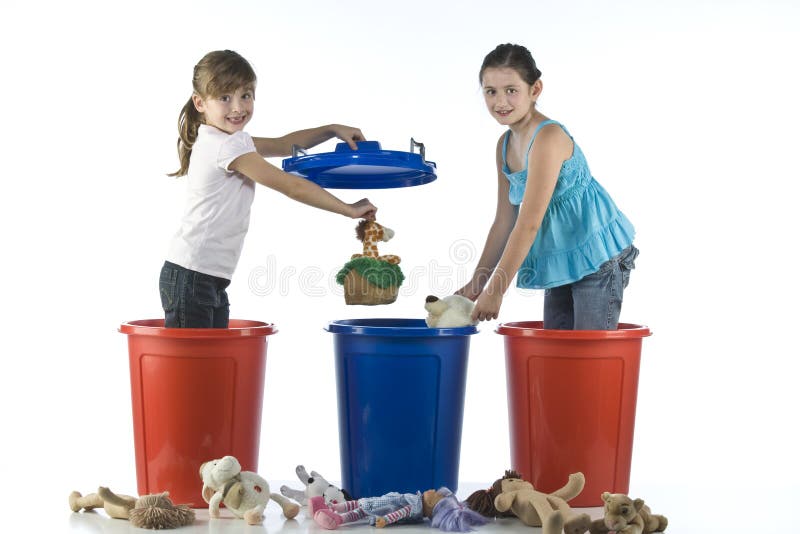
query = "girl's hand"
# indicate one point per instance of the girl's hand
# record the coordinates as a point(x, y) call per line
point(348, 134)
point(471, 290)
point(363, 209)
point(487, 307)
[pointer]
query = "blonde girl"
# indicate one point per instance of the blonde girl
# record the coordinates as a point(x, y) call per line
point(222, 164)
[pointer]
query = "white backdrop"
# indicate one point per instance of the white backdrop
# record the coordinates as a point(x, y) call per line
point(686, 110)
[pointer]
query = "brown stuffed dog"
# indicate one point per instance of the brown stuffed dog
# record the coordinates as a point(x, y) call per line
point(534, 508)
point(623, 515)
point(148, 511)
point(116, 506)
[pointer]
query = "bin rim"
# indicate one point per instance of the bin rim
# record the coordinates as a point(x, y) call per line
point(536, 329)
point(402, 328)
point(236, 328)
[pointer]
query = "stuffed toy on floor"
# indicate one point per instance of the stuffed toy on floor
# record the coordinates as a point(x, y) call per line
point(444, 510)
point(623, 515)
point(452, 311)
point(315, 486)
point(148, 511)
point(534, 508)
point(245, 493)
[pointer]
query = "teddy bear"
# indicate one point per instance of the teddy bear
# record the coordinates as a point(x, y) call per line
point(513, 496)
point(452, 311)
point(315, 486)
point(623, 515)
point(148, 511)
point(245, 493)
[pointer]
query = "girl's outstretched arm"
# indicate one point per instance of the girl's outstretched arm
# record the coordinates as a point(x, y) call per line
point(504, 218)
point(254, 167)
point(552, 147)
point(282, 146)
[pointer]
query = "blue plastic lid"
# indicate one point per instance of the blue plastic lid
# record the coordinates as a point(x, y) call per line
point(395, 328)
point(369, 167)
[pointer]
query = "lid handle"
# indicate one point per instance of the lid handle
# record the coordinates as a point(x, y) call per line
point(421, 148)
point(298, 150)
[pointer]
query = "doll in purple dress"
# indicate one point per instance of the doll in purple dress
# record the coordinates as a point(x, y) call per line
point(440, 506)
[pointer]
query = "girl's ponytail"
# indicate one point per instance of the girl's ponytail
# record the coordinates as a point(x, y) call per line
point(188, 123)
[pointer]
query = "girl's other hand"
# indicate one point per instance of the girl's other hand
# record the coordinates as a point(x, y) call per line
point(473, 288)
point(363, 209)
point(487, 307)
point(348, 134)
point(470, 291)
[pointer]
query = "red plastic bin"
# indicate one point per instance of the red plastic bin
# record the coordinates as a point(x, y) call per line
point(572, 405)
point(196, 395)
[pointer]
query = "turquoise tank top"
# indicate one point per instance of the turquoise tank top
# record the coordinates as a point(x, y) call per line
point(582, 228)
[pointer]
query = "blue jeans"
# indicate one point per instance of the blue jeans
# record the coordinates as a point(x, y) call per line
point(191, 299)
point(593, 302)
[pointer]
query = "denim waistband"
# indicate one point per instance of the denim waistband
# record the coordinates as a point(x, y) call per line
point(184, 269)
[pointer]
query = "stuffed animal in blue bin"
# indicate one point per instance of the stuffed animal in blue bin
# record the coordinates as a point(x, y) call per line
point(452, 311)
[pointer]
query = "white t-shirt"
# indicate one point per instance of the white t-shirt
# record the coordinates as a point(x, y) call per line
point(218, 203)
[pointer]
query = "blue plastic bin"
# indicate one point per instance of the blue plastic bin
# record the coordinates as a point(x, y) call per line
point(400, 389)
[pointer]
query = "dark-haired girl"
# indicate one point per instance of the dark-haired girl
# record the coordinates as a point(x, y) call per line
point(555, 226)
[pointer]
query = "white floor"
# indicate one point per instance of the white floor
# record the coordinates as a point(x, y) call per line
point(695, 507)
point(99, 522)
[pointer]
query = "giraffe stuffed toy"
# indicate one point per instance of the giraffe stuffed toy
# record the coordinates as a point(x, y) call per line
point(369, 233)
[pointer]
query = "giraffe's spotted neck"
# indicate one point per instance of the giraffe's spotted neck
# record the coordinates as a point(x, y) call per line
point(371, 236)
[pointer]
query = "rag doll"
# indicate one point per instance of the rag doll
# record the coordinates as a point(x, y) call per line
point(440, 506)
